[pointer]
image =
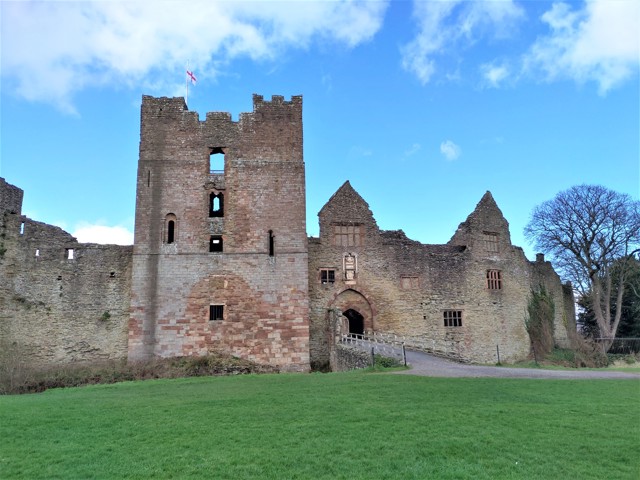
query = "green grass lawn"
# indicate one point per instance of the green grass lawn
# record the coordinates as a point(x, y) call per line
point(349, 425)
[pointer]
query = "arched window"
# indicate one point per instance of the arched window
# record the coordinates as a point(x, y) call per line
point(170, 228)
point(271, 244)
point(216, 205)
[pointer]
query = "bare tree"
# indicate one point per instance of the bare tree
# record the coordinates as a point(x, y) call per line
point(585, 229)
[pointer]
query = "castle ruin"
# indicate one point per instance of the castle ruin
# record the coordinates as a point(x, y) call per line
point(221, 261)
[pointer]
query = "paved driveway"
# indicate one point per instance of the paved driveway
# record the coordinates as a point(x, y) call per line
point(431, 366)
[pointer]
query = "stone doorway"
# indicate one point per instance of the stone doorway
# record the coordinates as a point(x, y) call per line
point(356, 321)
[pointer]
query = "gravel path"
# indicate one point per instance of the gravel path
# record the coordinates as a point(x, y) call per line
point(431, 366)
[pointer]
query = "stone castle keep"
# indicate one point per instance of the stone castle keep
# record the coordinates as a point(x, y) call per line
point(221, 261)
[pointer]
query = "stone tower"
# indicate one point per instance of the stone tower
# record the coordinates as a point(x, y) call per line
point(220, 256)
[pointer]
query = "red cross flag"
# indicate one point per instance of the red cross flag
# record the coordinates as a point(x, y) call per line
point(191, 76)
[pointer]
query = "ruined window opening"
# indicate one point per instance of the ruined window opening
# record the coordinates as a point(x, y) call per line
point(37, 252)
point(348, 235)
point(409, 282)
point(215, 243)
point(494, 279)
point(22, 228)
point(327, 275)
point(112, 275)
point(68, 253)
point(216, 160)
point(216, 312)
point(271, 244)
point(490, 240)
point(452, 318)
point(216, 205)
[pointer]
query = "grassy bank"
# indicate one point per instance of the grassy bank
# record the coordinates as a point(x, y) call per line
point(350, 425)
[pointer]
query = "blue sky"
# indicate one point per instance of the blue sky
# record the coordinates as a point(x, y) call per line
point(423, 106)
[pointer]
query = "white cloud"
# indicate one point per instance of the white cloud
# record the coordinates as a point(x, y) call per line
point(494, 74)
point(600, 42)
point(450, 150)
point(447, 25)
point(415, 148)
point(59, 48)
point(87, 233)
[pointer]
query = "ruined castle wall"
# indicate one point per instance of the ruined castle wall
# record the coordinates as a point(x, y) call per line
point(260, 276)
point(405, 287)
point(56, 309)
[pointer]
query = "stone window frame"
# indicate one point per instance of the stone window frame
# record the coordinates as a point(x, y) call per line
point(170, 234)
point(452, 318)
point(494, 279)
point(219, 212)
point(409, 282)
point(490, 242)
point(327, 276)
point(347, 235)
point(216, 312)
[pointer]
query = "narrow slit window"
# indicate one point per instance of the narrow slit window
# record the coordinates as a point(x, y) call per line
point(494, 279)
point(216, 312)
point(271, 244)
point(170, 228)
point(171, 231)
point(21, 228)
point(215, 243)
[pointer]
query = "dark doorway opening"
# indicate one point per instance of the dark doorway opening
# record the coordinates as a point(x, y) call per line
point(356, 322)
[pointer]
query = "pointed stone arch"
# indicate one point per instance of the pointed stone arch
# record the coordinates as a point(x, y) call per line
point(357, 311)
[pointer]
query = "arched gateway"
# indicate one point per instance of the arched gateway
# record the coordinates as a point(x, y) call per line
point(356, 310)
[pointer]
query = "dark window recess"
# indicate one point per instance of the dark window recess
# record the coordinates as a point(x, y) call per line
point(216, 205)
point(327, 276)
point(452, 318)
point(271, 244)
point(216, 312)
point(112, 275)
point(171, 231)
point(216, 160)
point(215, 243)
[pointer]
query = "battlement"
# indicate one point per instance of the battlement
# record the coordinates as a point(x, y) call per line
point(10, 198)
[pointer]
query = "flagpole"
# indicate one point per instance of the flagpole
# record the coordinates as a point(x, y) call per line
point(186, 78)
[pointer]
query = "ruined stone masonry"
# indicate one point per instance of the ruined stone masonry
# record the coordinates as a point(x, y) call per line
point(221, 261)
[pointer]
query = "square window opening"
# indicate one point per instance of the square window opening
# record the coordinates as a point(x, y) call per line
point(216, 312)
point(452, 318)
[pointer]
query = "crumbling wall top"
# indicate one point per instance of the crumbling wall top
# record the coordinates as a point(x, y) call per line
point(10, 198)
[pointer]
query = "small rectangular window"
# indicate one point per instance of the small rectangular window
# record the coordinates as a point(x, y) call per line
point(452, 318)
point(494, 279)
point(216, 312)
point(215, 243)
point(68, 253)
point(327, 275)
